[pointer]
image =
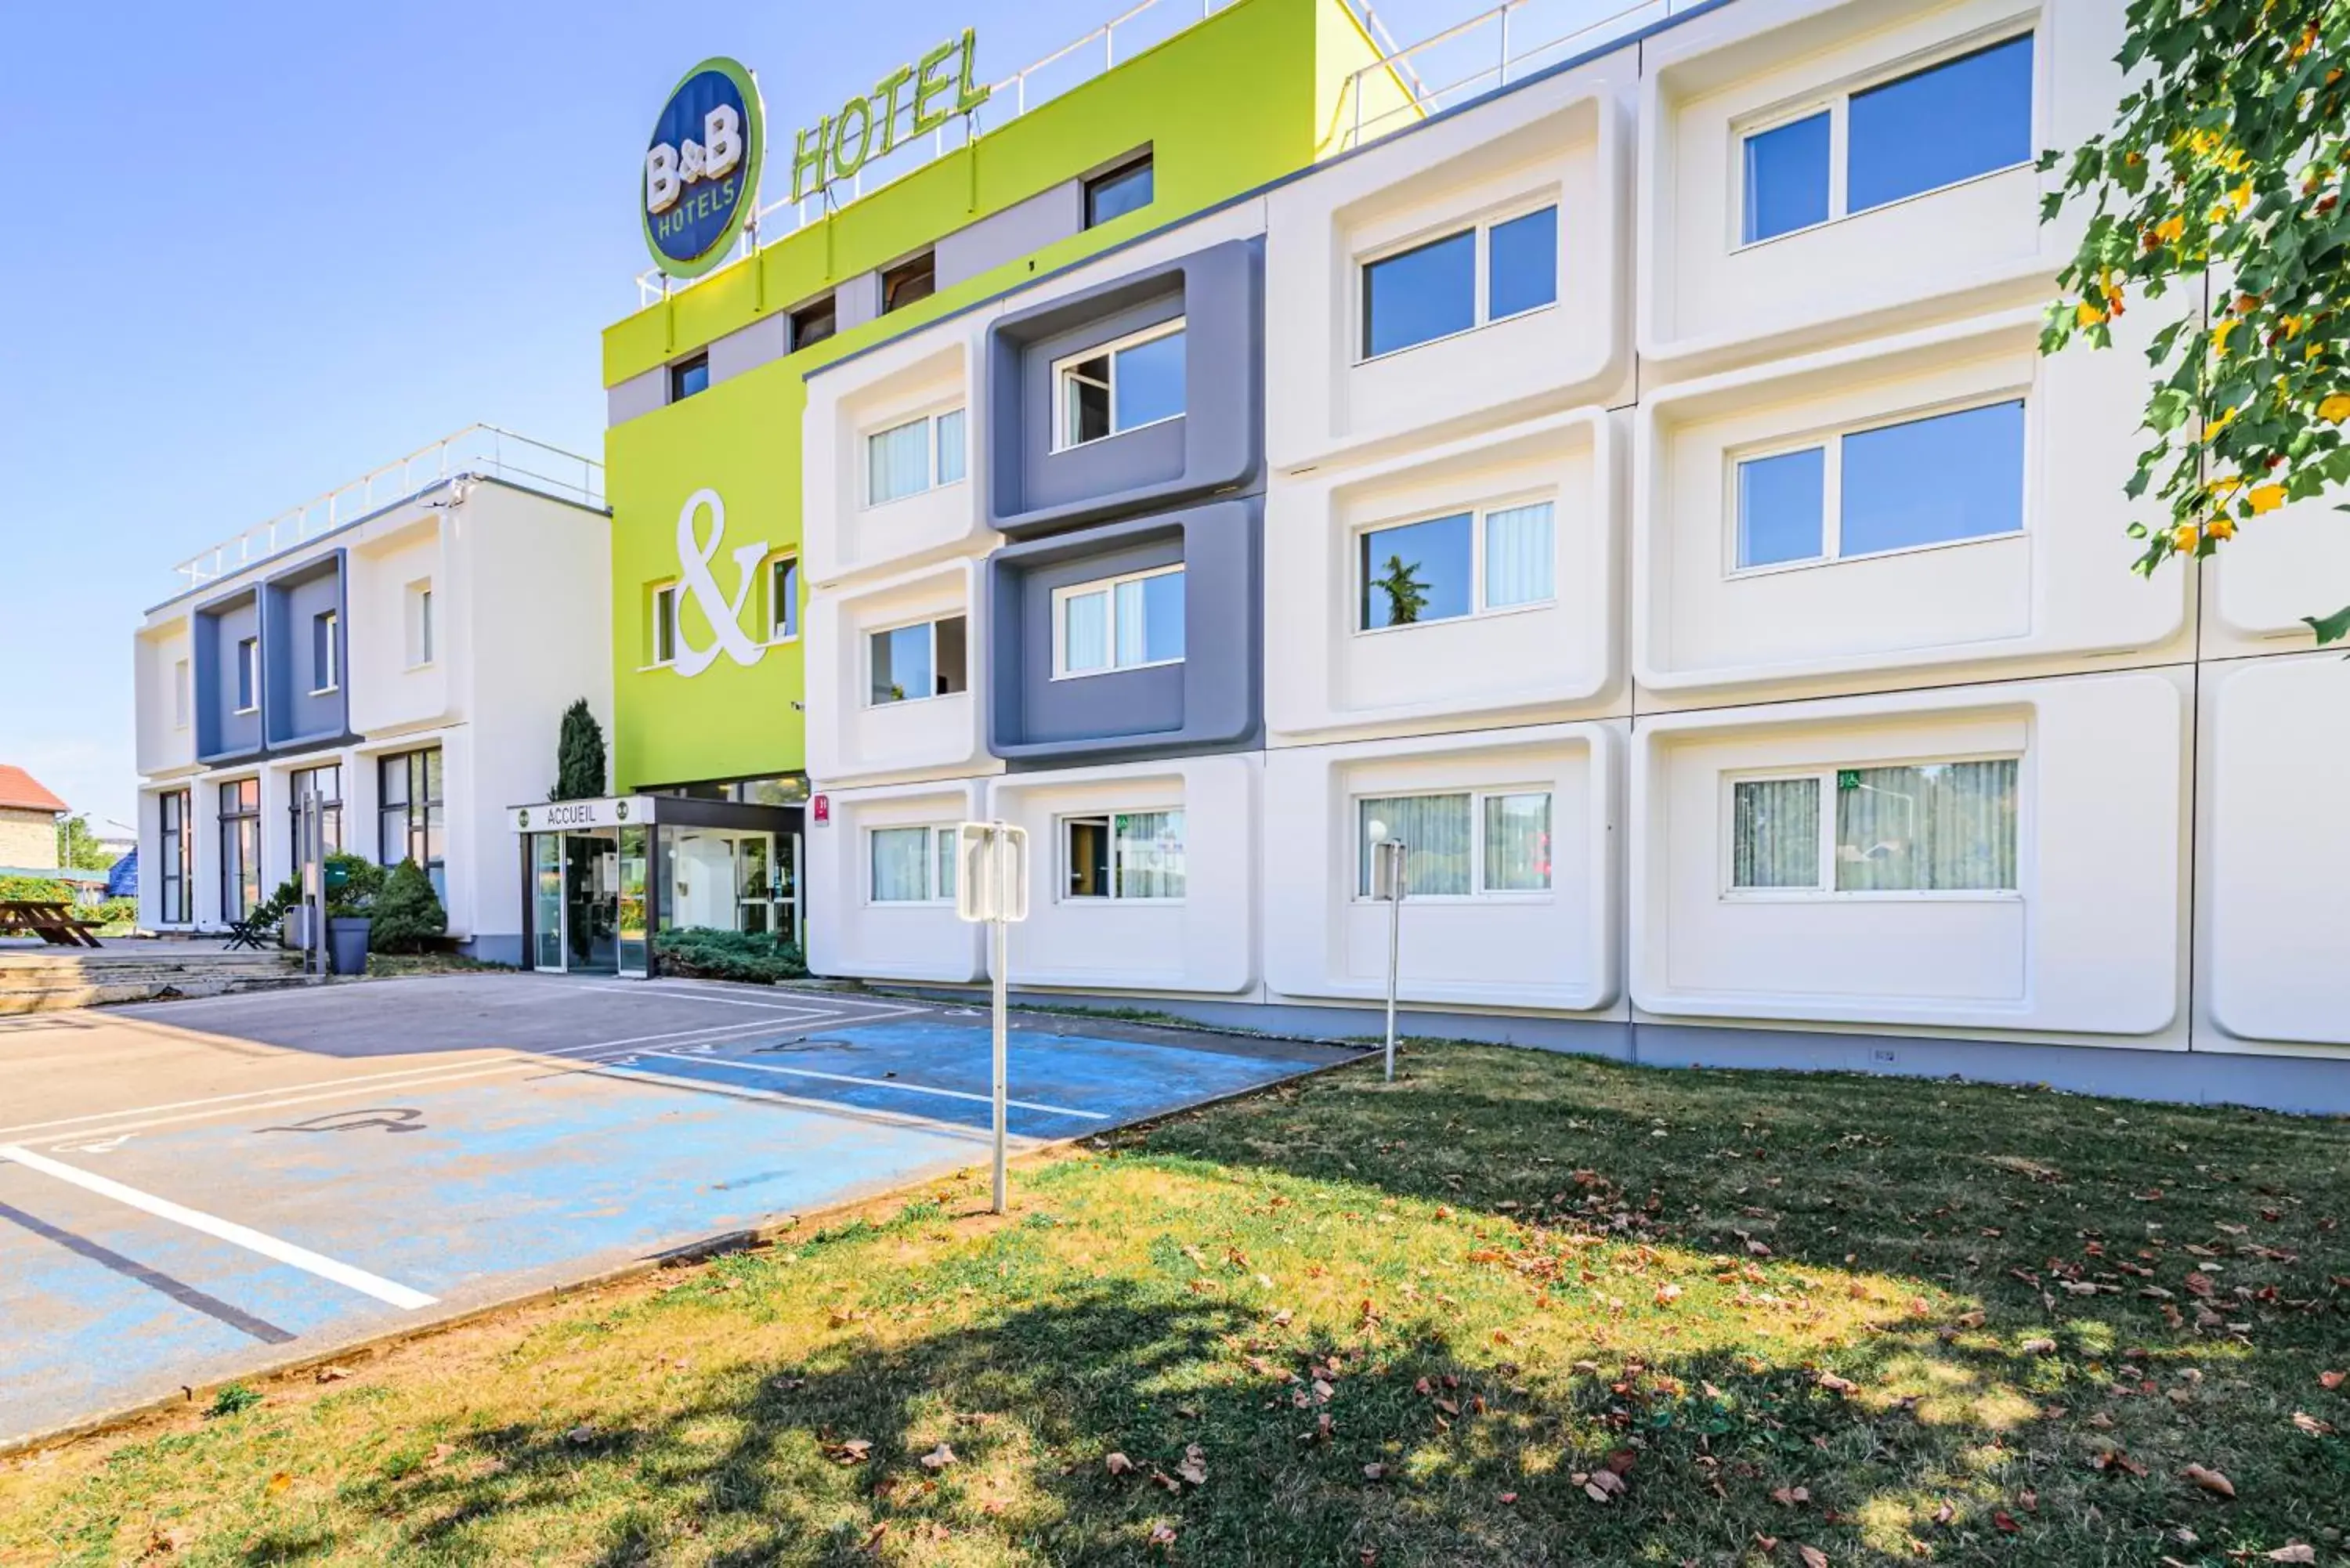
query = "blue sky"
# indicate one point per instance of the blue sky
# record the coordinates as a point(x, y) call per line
point(252, 252)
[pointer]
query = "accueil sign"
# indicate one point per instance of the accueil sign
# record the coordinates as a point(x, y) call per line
point(838, 145)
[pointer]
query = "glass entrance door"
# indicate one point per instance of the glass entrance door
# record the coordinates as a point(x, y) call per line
point(634, 949)
point(591, 882)
point(546, 901)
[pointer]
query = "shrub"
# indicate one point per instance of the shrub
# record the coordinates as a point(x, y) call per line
point(363, 882)
point(407, 913)
point(37, 889)
point(705, 953)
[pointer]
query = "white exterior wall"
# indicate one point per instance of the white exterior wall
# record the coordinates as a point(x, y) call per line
point(850, 934)
point(2178, 907)
point(521, 593)
point(851, 740)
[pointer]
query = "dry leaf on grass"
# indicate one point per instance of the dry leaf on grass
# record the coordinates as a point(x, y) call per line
point(580, 1435)
point(2299, 1552)
point(938, 1458)
point(1117, 1464)
point(1194, 1467)
point(853, 1451)
point(331, 1374)
point(1813, 1556)
point(2210, 1480)
point(2311, 1423)
point(2330, 1380)
point(279, 1482)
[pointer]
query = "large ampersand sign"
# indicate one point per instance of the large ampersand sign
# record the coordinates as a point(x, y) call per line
point(724, 615)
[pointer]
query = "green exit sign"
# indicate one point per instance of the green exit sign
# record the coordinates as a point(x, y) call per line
point(1848, 778)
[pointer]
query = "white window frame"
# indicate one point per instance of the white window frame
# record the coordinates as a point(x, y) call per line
point(1836, 101)
point(1483, 282)
point(333, 653)
point(1479, 608)
point(931, 451)
point(1063, 861)
point(1108, 585)
point(943, 840)
point(422, 635)
point(248, 672)
point(776, 634)
point(662, 659)
point(1832, 438)
point(866, 659)
point(1477, 892)
point(1827, 890)
point(1112, 350)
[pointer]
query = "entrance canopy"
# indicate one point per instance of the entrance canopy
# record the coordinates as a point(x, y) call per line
point(602, 877)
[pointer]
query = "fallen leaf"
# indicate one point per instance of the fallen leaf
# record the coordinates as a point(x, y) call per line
point(1117, 1464)
point(1194, 1467)
point(1760, 1251)
point(854, 1451)
point(2210, 1480)
point(279, 1482)
point(1162, 1535)
point(1834, 1384)
point(580, 1435)
point(2311, 1423)
point(331, 1374)
point(938, 1458)
point(2299, 1552)
point(2039, 1347)
point(440, 1452)
point(1792, 1496)
point(1813, 1556)
point(2330, 1380)
point(2004, 1520)
point(1944, 1514)
point(1375, 1471)
point(1161, 1478)
point(1507, 1497)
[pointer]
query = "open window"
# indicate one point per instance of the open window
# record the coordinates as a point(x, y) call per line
point(1126, 385)
point(915, 278)
point(813, 323)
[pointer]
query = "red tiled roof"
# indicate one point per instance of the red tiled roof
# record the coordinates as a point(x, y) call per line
point(20, 791)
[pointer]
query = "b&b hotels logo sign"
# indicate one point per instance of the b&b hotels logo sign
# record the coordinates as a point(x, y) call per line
point(701, 170)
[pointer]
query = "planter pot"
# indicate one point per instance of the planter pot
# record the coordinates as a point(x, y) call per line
point(294, 931)
point(347, 943)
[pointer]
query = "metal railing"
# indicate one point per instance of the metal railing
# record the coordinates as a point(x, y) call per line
point(1149, 23)
point(1484, 54)
point(482, 451)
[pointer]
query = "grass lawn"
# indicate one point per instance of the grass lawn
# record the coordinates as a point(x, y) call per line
point(1516, 1308)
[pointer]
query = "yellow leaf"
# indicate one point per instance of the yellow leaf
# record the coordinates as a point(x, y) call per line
point(2087, 315)
point(2336, 409)
point(2169, 230)
point(2266, 497)
point(2221, 527)
point(2219, 337)
point(2183, 537)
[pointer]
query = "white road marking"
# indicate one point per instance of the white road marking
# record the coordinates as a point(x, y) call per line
point(227, 1231)
point(878, 1084)
point(830, 1108)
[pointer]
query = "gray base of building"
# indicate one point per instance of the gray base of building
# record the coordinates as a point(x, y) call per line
point(496, 948)
point(2304, 1085)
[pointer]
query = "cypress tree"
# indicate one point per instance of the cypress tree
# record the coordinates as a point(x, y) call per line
point(578, 756)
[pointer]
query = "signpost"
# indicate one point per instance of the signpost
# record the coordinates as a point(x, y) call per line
point(991, 885)
point(1388, 887)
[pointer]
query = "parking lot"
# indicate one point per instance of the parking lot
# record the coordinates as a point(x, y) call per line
point(196, 1190)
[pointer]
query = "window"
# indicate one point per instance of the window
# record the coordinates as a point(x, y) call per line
point(1120, 623)
point(1926, 828)
point(1120, 191)
point(915, 278)
point(325, 671)
point(412, 813)
point(1463, 564)
point(813, 323)
point(1919, 132)
point(326, 784)
point(248, 674)
point(240, 844)
point(782, 598)
point(910, 662)
point(1123, 855)
point(1465, 844)
point(663, 624)
point(914, 865)
point(1932, 481)
point(688, 376)
point(1120, 387)
point(908, 459)
point(420, 632)
point(179, 859)
point(1490, 271)
point(180, 697)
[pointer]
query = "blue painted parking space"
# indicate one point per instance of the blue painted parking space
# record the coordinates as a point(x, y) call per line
point(295, 1199)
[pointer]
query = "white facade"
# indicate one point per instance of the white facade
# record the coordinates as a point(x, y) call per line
point(473, 614)
point(1857, 759)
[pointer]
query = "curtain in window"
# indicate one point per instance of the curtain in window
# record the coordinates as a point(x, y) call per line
point(946, 863)
point(1435, 829)
point(900, 865)
point(1517, 843)
point(899, 461)
point(1149, 854)
point(1775, 833)
point(1130, 621)
point(1943, 827)
point(1518, 556)
point(1085, 631)
point(951, 455)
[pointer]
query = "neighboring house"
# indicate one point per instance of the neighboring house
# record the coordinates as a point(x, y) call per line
point(402, 650)
point(29, 820)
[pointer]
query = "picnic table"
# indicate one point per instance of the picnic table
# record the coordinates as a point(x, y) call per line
point(50, 920)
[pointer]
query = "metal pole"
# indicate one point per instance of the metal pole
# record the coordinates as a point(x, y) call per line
point(1395, 951)
point(1003, 928)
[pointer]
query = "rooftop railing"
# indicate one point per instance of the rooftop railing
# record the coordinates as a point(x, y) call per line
point(482, 451)
point(1483, 54)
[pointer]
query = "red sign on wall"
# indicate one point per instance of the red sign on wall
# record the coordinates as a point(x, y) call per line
point(820, 810)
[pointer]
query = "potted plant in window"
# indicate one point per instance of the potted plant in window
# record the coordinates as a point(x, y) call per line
point(352, 883)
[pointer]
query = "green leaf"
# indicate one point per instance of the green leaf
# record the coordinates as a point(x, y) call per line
point(2330, 629)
